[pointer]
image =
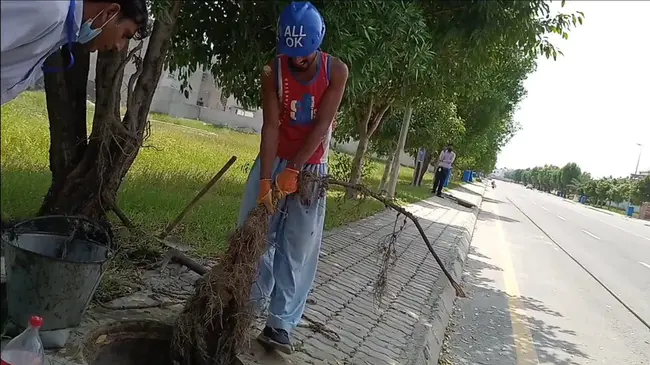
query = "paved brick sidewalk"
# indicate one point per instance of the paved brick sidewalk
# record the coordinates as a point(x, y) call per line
point(409, 326)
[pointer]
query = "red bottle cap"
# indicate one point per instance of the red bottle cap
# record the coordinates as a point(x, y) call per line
point(36, 321)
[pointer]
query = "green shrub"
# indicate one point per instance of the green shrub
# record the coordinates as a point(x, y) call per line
point(340, 166)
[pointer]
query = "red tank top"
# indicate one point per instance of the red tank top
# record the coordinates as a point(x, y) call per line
point(299, 102)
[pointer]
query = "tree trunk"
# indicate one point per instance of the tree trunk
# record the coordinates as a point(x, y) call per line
point(65, 94)
point(428, 157)
point(387, 168)
point(88, 186)
point(394, 176)
point(416, 170)
point(357, 166)
point(366, 127)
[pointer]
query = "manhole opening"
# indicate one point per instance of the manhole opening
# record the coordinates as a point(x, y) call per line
point(129, 343)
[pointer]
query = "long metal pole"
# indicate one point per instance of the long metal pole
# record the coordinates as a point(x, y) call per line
point(636, 172)
point(638, 160)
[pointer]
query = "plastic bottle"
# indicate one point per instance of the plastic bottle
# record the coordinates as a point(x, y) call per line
point(26, 348)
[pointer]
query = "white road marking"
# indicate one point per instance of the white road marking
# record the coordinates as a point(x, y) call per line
point(644, 264)
point(561, 217)
point(591, 234)
point(592, 216)
point(545, 209)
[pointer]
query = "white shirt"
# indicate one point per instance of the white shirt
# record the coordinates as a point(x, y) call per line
point(446, 159)
point(31, 31)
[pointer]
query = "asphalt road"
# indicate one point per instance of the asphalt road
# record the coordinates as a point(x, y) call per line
point(532, 303)
point(614, 248)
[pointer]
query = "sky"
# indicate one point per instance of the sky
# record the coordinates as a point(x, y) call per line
point(592, 105)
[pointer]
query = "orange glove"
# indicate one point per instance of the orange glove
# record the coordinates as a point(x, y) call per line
point(266, 197)
point(287, 182)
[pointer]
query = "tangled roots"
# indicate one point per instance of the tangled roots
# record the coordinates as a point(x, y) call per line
point(214, 324)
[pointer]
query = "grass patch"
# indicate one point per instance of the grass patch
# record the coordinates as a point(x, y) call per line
point(191, 123)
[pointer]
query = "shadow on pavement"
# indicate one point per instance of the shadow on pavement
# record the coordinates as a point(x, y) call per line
point(484, 216)
point(600, 210)
point(490, 200)
point(466, 190)
point(444, 203)
point(481, 330)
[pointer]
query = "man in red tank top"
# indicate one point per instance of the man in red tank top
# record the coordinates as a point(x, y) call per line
point(302, 89)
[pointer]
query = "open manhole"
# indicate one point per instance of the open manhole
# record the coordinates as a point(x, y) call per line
point(130, 342)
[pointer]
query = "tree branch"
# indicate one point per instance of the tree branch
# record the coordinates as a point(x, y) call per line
point(363, 126)
point(120, 68)
point(378, 117)
point(132, 80)
point(117, 80)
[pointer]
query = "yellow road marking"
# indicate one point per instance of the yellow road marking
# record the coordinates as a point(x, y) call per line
point(524, 346)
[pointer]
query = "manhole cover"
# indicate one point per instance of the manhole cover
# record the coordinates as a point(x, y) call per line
point(129, 343)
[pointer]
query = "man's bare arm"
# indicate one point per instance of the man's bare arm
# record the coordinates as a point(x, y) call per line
point(271, 122)
point(325, 114)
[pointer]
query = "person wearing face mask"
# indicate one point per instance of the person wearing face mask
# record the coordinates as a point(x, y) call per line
point(445, 161)
point(33, 30)
point(302, 89)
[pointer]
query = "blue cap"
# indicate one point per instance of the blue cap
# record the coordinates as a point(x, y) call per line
point(301, 29)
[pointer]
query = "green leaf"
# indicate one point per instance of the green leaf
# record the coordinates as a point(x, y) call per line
point(365, 31)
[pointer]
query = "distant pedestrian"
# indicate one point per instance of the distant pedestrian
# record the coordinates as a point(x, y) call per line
point(445, 162)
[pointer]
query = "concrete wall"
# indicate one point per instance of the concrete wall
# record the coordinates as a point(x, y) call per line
point(203, 101)
point(644, 213)
point(351, 148)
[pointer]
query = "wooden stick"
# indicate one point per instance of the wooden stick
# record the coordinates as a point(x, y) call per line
point(120, 214)
point(183, 259)
point(112, 205)
point(173, 253)
point(364, 190)
point(170, 227)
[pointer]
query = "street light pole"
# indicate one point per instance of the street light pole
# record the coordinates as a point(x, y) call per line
point(636, 172)
point(638, 160)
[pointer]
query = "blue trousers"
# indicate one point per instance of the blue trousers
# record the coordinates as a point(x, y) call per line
point(442, 173)
point(288, 268)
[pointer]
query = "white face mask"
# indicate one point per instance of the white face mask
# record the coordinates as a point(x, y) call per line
point(87, 33)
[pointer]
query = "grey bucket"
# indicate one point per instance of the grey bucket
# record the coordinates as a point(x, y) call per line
point(54, 265)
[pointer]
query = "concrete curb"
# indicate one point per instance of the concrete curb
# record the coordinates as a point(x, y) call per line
point(600, 210)
point(427, 344)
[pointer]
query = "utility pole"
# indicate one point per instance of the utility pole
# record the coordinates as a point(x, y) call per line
point(638, 160)
point(636, 172)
